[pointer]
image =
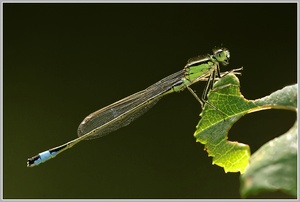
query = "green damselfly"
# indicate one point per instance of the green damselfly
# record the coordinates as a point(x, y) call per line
point(123, 112)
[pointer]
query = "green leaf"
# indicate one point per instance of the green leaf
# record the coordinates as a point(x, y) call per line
point(273, 167)
point(214, 125)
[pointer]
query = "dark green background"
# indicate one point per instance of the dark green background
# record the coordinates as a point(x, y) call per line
point(64, 61)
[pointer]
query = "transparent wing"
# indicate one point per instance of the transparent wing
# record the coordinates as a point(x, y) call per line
point(123, 112)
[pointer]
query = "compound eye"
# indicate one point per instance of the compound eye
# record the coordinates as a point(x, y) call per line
point(221, 56)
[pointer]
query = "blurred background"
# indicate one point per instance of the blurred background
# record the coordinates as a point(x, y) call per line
point(65, 61)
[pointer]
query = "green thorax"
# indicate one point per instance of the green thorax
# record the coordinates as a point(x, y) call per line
point(195, 70)
point(201, 67)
